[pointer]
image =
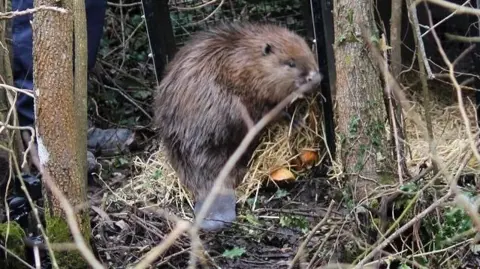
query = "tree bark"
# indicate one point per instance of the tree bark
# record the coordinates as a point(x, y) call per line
point(9, 139)
point(4, 107)
point(359, 100)
point(80, 96)
point(56, 121)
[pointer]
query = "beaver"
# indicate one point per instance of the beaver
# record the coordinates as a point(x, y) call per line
point(218, 73)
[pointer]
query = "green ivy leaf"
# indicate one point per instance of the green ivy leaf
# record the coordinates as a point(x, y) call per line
point(233, 253)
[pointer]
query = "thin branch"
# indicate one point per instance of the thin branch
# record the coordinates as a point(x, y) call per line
point(459, 38)
point(11, 88)
point(443, 20)
point(402, 229)
point(155, 252)
point(11, 14)
point(126, 96)
point(302, 247)
point(420, 45)
point(449, 5)
point(195, 7)
point(72, 223)
point(30, 143)
point(210, 15)
point(16, 256)
point(252, 133)
point(457, 88)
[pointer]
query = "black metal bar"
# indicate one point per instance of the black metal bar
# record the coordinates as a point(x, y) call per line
point(324, 34)
point(476, 63)
point(160, 33)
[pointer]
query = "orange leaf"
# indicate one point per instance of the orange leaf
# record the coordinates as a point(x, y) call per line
point(309, 157)
point(296, 164)
point(282, 174)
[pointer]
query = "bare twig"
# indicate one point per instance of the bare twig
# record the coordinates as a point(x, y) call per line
point(155, 252)
point(195, 7)
point(449, 5)
point(457, 88)
point(15, 256)
point(252, 133)
point(209, 15)
point(301, 249)
point(443, 20)
point(422, 56)
point(320, 248)
point(124, 5)
point(126, 96)
point(30, 144)
point(400, 95)
point(424, 66)
point(11, 14)
point(402, 229)
point(11, 88)
point(459, 38)
point(72, 223)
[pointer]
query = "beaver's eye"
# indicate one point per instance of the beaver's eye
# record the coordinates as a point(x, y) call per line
point(290, 63)
point(267, 49)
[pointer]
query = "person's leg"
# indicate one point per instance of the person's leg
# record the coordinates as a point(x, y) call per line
point(22, 50)
point(22, 61)
point(22, 72)
point(104, 141)
point(95, 12)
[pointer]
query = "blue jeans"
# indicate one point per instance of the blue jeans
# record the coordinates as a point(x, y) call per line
point(22, 50)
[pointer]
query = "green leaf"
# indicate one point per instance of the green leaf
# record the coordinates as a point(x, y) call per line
point(157, 174)
point(281, 193)
point(233, 253)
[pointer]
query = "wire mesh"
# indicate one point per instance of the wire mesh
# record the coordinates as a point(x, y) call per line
point(189, 16)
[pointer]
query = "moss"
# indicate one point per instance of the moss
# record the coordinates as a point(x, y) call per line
point(386, 178)
point(14, 244)
point(59, 232)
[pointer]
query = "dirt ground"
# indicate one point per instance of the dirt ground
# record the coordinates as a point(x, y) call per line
point(275, 221)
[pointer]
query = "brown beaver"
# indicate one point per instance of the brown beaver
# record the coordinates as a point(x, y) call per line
point(198, 102)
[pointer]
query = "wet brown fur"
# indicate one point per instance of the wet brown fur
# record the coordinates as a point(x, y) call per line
point(197, 106)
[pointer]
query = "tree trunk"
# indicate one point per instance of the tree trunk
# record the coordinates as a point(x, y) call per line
point(360, 103)
point(56, 123)
point(4, 107)
point(80, 96)
point(9, 139)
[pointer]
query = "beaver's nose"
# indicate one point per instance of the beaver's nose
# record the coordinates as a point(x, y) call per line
point(314, 76)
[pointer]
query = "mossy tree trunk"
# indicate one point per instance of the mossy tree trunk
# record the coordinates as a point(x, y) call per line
point(4, 107)
point(60, 152)
point(9, 139)
point(360, 102)
point(10, 142)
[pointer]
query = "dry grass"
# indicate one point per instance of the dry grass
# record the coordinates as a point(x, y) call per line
point(126, 228)
point(280, 144)
point(448, 131)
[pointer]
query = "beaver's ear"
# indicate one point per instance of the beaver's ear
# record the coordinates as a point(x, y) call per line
point(267, 49)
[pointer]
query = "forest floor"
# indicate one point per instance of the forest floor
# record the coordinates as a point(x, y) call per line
point(129, 200)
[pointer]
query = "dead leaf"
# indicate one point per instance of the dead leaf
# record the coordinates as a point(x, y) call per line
point(282, 174)
point(122, 225)
point(383, 44)
point(308, 157)
point(296, 164)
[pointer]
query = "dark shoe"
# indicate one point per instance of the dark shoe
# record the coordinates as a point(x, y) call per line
point(92, 164)
point(108, 142)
